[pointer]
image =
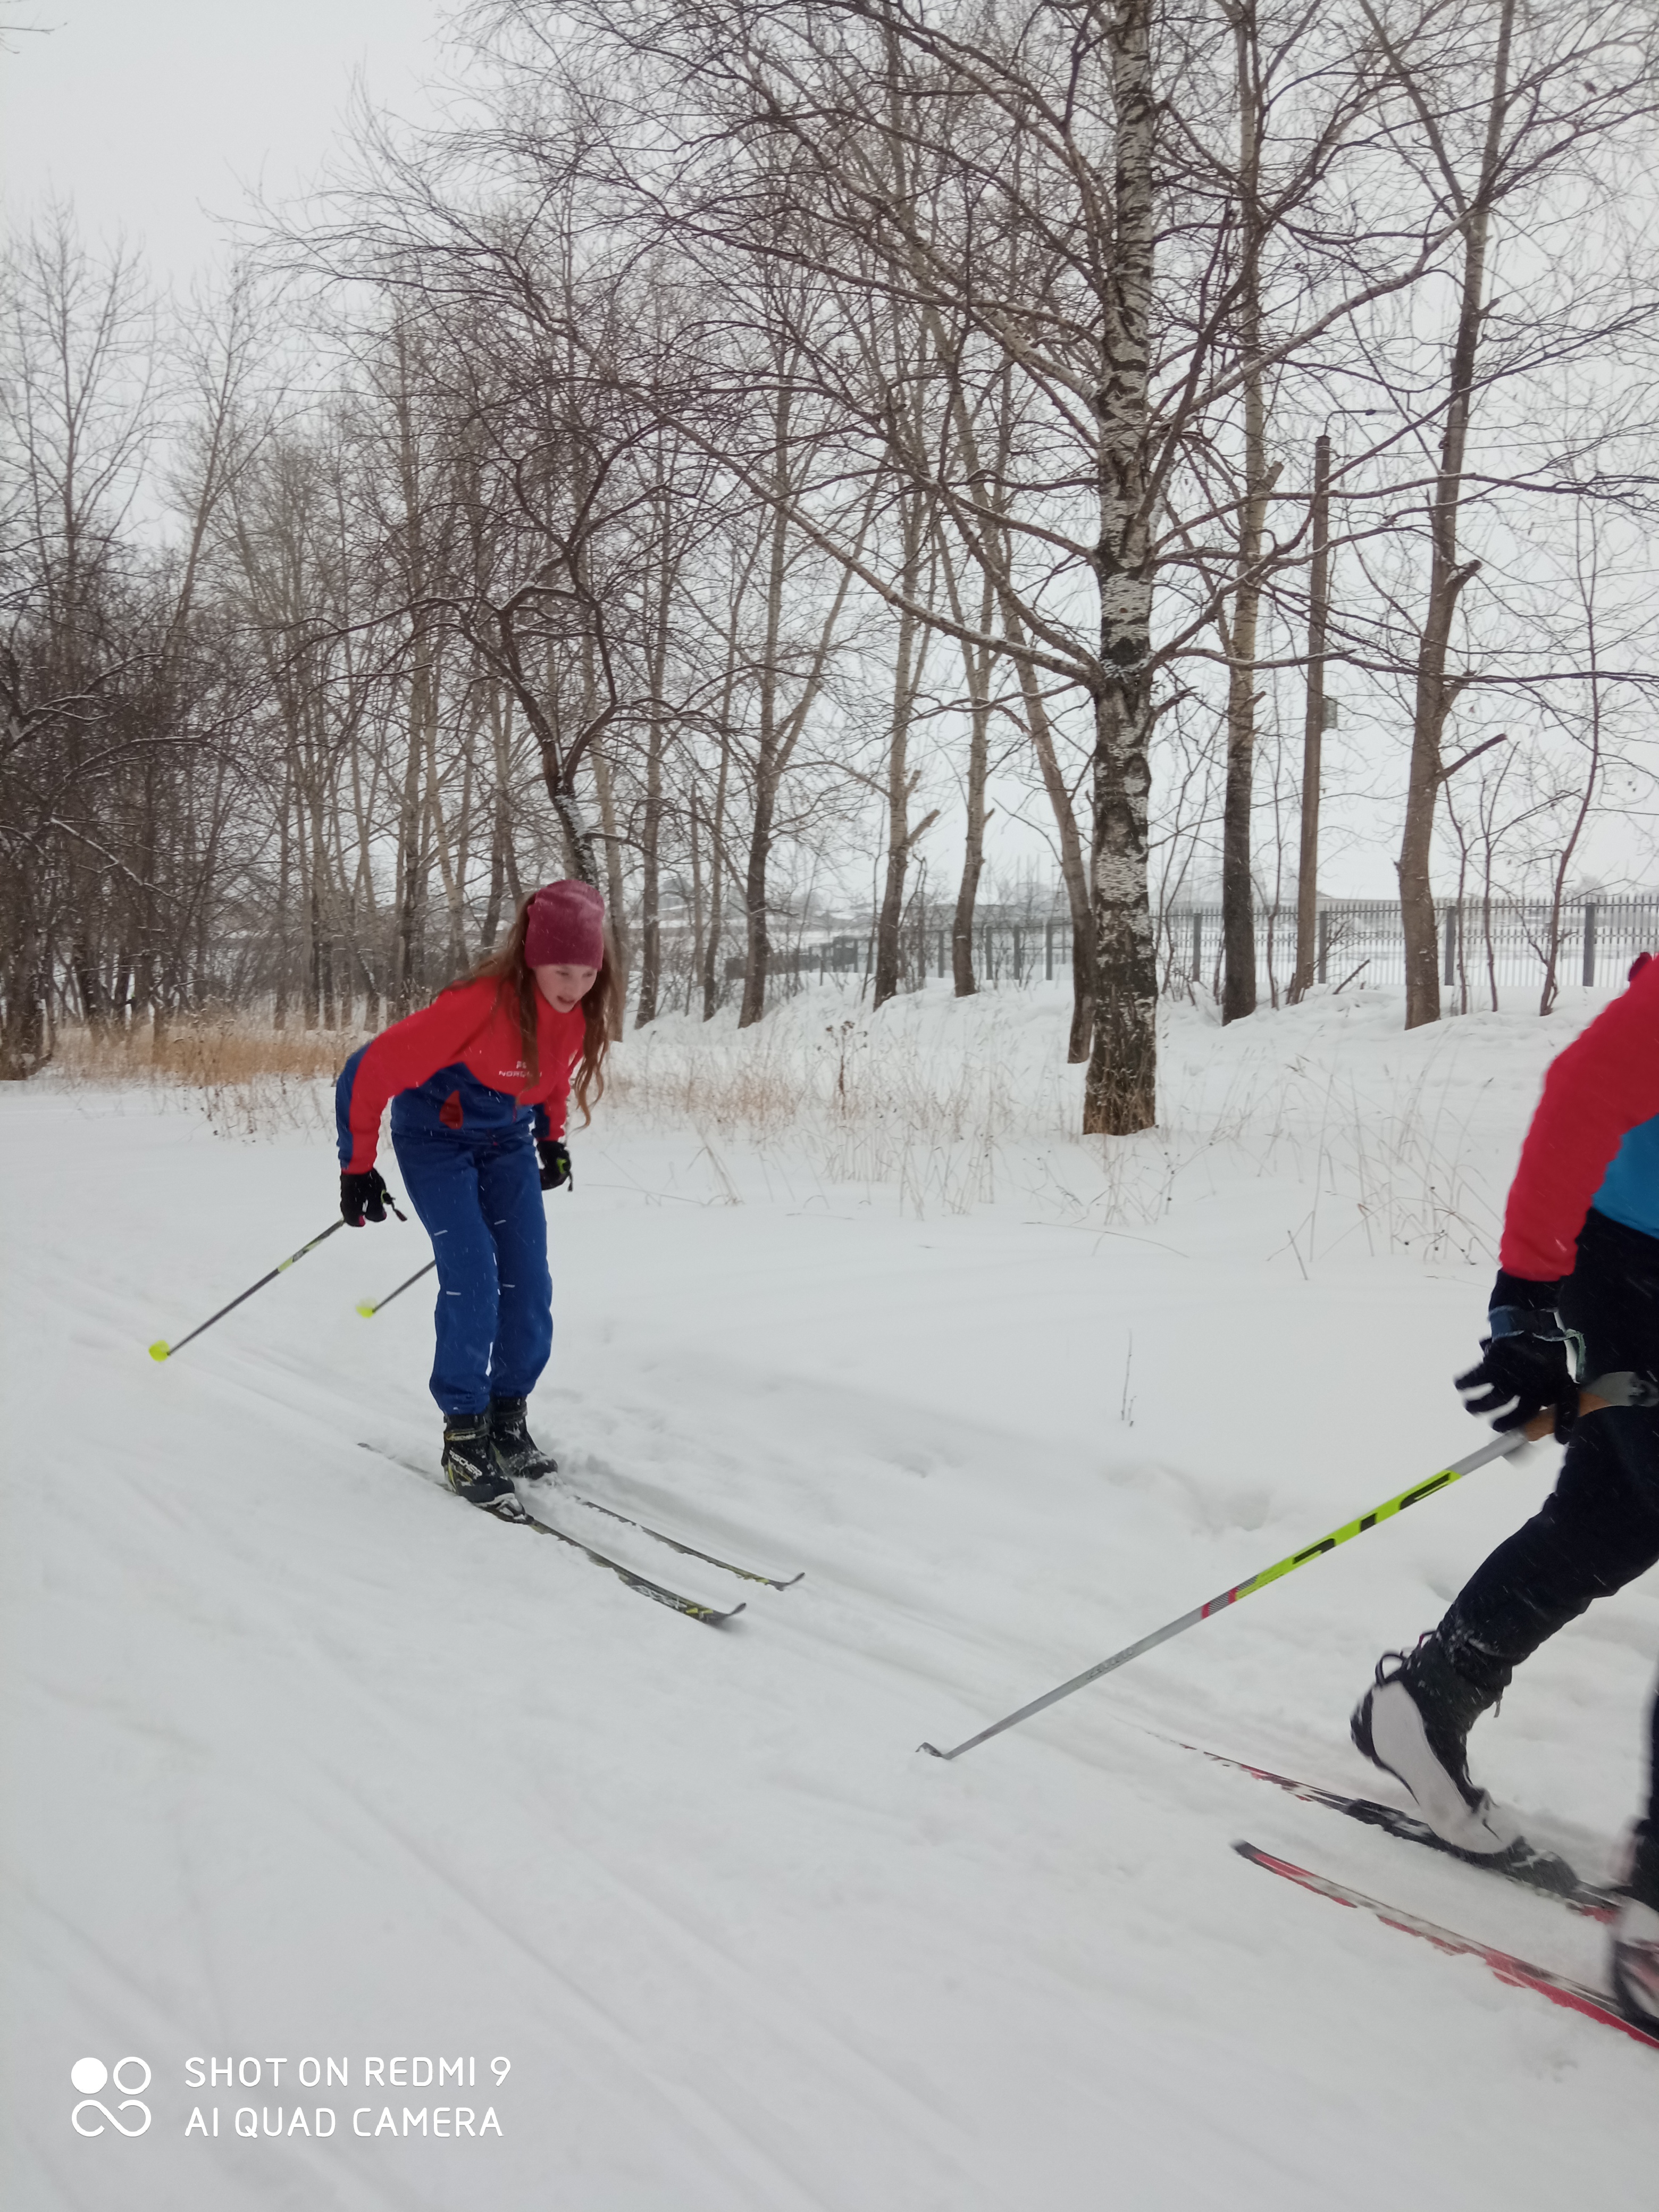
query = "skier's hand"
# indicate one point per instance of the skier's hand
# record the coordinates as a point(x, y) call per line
point(1523, 1366)
point(363, 1198)
point(555, 1162)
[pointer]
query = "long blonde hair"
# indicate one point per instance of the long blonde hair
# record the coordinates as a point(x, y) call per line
point(601, 1004)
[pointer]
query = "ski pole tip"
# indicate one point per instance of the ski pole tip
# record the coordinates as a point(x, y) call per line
point(366, 1309)
point(158, 1350)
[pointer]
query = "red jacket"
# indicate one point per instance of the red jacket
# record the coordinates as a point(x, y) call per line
point(458, 1065)
point(1598, 1095)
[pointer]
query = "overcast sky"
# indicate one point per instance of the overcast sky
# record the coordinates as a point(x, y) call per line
point(153, 116)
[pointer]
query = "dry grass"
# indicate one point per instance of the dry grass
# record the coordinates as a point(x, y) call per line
point(247, 1078)
point(854, 1100)
point(952, 1113)
point(202, 1055)
point(951, 1108)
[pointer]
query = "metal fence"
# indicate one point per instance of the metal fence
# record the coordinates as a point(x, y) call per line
point(1012, 953)
point(1494, 954)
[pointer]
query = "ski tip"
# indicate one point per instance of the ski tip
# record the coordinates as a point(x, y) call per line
point(158, 1350)
point(931, 1750)
point(366, 1310)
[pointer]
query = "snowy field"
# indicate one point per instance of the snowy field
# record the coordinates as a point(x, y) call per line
point(303, 1759)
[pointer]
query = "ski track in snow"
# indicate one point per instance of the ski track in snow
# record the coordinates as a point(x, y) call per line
point(300, 1757)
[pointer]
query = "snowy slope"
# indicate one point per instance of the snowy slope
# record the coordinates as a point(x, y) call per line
point(302, 1758)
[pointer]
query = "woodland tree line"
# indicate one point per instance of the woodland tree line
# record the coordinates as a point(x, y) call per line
point(734, 411)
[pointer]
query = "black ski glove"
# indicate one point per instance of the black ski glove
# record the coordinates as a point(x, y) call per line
point(555, 1162)
point(363, 1198)
point(1523, 1364)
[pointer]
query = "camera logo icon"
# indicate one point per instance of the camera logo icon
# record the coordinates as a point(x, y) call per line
point(89, 2076)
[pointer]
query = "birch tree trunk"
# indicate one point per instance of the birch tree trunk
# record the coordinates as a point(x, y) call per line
point(1237, 887)
point(1120, 1090)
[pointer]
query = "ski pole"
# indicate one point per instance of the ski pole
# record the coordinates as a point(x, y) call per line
point(369, 1311)
point(163, 1351)
point(1621, 1389)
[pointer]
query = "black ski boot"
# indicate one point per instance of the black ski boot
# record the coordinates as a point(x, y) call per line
point(1634, 1965)
point(470, 1466)
point(518, 1456)
point(1414, 1723)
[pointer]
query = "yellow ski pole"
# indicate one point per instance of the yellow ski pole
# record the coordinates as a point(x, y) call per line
point(1606, 1390)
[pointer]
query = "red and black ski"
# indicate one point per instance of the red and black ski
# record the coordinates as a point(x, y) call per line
point(1575, 1996)
point(1542, 1872)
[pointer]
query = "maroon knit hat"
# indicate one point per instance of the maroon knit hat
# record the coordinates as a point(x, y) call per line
point(566, 927)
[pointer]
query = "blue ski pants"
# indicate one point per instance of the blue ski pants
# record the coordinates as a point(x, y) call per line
point(480, 1200)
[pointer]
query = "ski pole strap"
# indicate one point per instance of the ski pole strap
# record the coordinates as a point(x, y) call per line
point(1546, 1324)
point(163, 1351)
point(1526, 1321)
point(1596, 1397)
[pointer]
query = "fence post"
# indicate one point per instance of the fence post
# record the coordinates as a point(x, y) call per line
point(1450, 975)
point(1589, 943)
point(1198, 945)
point(1324, 944)
point(1047, 952)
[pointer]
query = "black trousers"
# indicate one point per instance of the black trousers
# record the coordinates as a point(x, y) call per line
point(1598, 1529)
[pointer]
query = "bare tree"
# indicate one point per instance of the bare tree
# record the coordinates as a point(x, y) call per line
point(1500, 103)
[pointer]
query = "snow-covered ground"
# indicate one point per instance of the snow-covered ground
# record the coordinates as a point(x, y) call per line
point(304, 1761)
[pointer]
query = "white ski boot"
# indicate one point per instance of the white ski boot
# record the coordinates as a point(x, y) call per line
point(1414, 1723)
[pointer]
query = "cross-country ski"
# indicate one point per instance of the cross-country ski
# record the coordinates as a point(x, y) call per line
point(1575, 1996)
point(683, 1544)
point(1547, 1874)
point(541, 1519)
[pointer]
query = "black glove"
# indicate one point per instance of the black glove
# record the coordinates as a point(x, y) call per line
point(362, 1197)
point(1523, 1365)
point(555, 1162)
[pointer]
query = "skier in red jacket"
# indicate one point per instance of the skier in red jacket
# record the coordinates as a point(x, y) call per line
point(477, 1084)
point(1579, 1263)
